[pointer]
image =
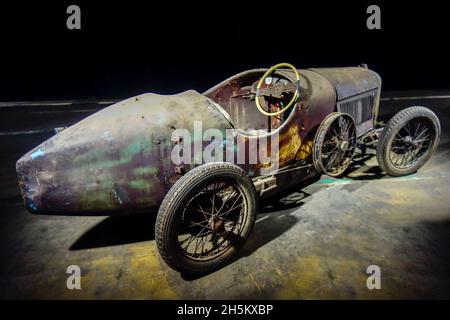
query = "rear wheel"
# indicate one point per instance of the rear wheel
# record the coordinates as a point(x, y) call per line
point(205, 218)
point(408, 141)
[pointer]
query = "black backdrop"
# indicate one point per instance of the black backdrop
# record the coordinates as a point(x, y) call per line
point(130, 47)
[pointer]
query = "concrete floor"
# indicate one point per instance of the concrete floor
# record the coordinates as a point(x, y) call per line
point(313, 243)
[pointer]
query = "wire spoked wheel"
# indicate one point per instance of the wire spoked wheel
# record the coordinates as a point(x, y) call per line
point(408, 141)
point(212, 221)
point(411, 143)
point(335, 144)
point(205, 218)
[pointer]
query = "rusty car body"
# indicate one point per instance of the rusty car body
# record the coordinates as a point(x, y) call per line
point(118, 159)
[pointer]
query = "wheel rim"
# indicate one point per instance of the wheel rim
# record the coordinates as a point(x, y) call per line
point(212, 221)
point(338, 146)
point(411, 143)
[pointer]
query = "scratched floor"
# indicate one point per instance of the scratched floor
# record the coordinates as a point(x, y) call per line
point(313, 243)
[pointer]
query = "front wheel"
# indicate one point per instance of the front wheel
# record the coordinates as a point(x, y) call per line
point(335, 144)
point(205, 218)
point(408, 141)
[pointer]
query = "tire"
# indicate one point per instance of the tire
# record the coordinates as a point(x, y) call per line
point(343, 152)
point(177, 202)
point(402, 124)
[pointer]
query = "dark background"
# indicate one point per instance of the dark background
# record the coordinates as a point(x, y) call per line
point(130, 47)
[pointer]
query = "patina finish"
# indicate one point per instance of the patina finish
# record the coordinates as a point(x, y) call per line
point(119, 158)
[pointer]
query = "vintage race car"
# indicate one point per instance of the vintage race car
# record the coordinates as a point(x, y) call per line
point(205, 160)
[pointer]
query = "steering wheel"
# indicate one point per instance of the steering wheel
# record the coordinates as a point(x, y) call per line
point(277, 90)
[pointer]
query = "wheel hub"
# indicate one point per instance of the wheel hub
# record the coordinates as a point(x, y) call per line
point(217, 224)
point(344, 146)
point(409, 141)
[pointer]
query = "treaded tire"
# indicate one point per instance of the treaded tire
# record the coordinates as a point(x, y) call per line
point(175, 200)
point(393, 127)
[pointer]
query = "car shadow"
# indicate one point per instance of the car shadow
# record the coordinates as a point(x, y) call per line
point(139, 227)
point(268, 227)
point(275, 217)
point(118, 230)
point(367, 173)
point(272, 221)
point(359, 170)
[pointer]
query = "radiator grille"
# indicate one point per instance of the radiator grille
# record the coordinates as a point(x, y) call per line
point(359, 108)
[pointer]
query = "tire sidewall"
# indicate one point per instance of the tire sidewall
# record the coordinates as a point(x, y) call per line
point(184, 190)
point(391, 130)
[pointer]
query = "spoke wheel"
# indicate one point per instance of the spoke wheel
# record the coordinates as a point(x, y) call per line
point(335, 144)
point(212, 220)
point(411, 143)
point(205, 218)
point(408, 141)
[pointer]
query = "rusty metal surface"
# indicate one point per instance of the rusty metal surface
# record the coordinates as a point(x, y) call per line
point(350, 81)
point(119, 158)
point(296, 134)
